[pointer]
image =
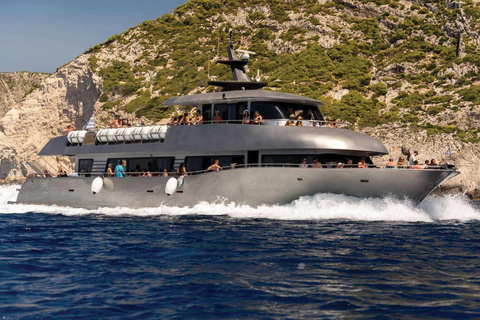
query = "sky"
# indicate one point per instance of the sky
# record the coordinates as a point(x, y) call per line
point(41, 35)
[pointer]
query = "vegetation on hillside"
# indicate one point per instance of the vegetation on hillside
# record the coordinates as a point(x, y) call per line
point(397, 59)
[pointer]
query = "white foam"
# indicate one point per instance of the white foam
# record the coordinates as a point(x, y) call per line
point(318, 207)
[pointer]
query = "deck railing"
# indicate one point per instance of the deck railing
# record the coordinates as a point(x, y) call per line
point(271, 122)
point(265, 165)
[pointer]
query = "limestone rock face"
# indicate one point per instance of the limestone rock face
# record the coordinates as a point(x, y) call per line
point(66, 97)
point(15, 85)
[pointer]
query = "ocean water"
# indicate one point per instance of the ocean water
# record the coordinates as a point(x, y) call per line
point(326, 256)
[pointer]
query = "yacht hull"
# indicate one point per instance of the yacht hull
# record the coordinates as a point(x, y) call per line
point(253, 186)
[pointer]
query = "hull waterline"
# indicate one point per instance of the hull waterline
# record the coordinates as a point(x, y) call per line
point(250, 186)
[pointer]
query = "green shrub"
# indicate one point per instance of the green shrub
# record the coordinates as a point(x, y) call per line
point(138, 103)
point(380, 88)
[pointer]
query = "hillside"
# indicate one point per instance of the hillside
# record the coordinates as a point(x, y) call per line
point(405, 69)
point(14, 86)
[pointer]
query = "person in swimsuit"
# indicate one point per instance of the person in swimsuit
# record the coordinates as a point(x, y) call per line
point(215, 166)
point(362, 164)
point(316, 164)
point(246, 117)
point(182, 171)
point(299, 122)
point(217, 118)
point(199, 117)
point(390, 164)
point(290, 122)
point(110, 170)
point(258, 119)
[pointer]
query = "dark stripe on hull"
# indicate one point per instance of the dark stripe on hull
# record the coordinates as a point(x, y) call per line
point(250, 186)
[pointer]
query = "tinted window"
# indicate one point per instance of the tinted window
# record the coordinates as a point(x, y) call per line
point(85, 165)
point(202, 163)
point(281, 110)
point(206, 112)
point(223, 110)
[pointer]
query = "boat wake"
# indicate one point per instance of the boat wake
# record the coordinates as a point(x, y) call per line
point(318, 207)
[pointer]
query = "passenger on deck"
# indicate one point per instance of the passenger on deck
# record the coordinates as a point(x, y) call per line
point(349, 163)
point(174, 122)
point(119, 170)
point(46, 174)
point(165, 173)
point(390, 164)
point(70, 128)
point(433, 164)
point(316, 164)
point(215, 166)
point(340, 165)
point(246, 117)
point(182, 171)
point(426, 164)
point(362, 164)
point(299, 122)
point(290, 122)
point(115, 123)
point(257, 117)
point(147, 174)
point(304, 163)
point(413, 158)
point(199, 117)
point(62, 172)
point(416, 165)
point(401, 163)
point(217, 118)
point(185, 119)
point(110, 172)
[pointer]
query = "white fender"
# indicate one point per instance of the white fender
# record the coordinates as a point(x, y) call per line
point(171, 186)
point(97, 185)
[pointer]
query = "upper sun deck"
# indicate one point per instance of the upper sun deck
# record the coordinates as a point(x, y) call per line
point(239, 96)
point(197, 139)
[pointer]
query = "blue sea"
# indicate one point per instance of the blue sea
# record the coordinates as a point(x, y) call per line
point(327, 256)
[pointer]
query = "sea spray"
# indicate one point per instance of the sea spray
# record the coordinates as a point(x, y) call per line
point(318, 207)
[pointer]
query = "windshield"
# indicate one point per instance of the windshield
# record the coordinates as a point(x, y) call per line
point(282, 110)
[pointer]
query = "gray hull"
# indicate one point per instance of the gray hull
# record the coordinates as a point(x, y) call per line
point(251, 186)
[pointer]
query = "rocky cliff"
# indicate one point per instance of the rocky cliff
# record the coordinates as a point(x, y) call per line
point(14, 86)
point(66, 97)
point(405, 72)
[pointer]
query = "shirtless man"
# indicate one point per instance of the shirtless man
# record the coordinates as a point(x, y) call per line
point(316, 164)
point(215, 166)
point(362, 164)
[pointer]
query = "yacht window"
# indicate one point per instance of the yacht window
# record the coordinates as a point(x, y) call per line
point(206, 112)
point(85, 165)
point(144, 164)
point(231, 111)
point(282, 110)
point(203, 162)
point(223, 109)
